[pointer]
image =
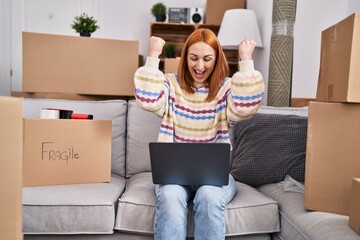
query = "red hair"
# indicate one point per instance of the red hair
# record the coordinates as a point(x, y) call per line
point(221, 68)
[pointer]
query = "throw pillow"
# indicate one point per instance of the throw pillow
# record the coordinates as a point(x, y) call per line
point(267, 147)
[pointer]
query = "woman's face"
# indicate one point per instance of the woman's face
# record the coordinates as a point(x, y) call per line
point(201, 61)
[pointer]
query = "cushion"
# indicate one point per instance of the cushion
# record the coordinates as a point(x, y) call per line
point(299, 111)
point(114, 110)
point(250, 212)
point(72, 209)
point(142, 127)
point(267, 147)
point(298, 223)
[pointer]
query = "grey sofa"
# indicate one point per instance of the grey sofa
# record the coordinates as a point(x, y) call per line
point(125, 207)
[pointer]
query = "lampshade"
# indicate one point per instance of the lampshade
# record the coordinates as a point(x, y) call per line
point(236, 25)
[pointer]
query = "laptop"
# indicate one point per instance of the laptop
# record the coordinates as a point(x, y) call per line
point(190, 163)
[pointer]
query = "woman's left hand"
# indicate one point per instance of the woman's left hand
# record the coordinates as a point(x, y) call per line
point(246, 49)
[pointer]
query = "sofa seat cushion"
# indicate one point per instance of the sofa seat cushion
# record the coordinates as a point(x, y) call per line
point(72, 209)
point(250, 212)
point(298, 223)
point(114, 110)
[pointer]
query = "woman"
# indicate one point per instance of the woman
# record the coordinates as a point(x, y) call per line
point(198, 104)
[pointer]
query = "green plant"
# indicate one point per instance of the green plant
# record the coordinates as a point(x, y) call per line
point(169, 50)
point(84, 23)
point(158, 9)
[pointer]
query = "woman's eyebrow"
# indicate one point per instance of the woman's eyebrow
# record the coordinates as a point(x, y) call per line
point(208, 55)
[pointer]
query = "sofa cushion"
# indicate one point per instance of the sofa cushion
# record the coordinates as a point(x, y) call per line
point(267, 147)
point(250, 212)
point(142, 127)
point(298, 223)
point(114, 110)
point(298, 111)
point(72, 209)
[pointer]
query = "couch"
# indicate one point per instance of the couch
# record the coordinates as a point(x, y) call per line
point(124, 208)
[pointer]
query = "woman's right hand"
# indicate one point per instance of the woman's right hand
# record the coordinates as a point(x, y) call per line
point(156, 46)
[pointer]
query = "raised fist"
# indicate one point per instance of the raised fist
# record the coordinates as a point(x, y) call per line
point(156, 45)
point(246, 49)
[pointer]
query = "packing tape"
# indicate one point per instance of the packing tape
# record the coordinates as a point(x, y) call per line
point(49, 113)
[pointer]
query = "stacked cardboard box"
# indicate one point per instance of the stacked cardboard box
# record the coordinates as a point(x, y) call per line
point(59, 64)
point(171, 65)
point(332, 158)
point(11, 145)
point(332, 155)
point(61, 151)
point(215, 9)
point(340, 62)
point(56, 66)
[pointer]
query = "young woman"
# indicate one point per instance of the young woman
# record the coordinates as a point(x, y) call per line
point(198, 104)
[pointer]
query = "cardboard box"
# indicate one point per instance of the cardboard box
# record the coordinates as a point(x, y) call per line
point(78, 65)
point(62, 151)
point(11, 143)
point(215, 9)
point(171, 65)
point(332, 156)
point(354, 216)
point(339, 79)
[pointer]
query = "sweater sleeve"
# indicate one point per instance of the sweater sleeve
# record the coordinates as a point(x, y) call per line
point(151, 87)
point(246, 91)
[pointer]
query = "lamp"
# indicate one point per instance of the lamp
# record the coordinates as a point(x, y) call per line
point(236, 25)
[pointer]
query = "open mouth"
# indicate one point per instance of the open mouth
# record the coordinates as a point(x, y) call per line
point(199, 74)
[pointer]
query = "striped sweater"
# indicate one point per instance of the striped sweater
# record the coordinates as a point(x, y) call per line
point(188, 117)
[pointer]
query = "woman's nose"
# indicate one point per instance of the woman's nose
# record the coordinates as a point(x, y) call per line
point(201, 63)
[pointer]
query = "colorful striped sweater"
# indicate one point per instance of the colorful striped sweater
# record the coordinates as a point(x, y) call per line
point(188, 117)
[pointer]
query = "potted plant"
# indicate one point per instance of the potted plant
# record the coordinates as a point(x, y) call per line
point(158, 10)
point(169, 50)
point(84, 25)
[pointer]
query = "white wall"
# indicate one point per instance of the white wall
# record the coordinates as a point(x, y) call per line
point(263, 10)
point(353, 6)
point(2, 57)
point(4, 48)
point(312, 17)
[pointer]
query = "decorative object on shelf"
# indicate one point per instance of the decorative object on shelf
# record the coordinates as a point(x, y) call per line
point(186, 15)
point(169, 50)
point(196, 15)
point(158, 10)
point(179, 15)
point(85, 25)
point(246, 27)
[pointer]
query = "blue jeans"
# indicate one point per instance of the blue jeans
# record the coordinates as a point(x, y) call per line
point(209, 206)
